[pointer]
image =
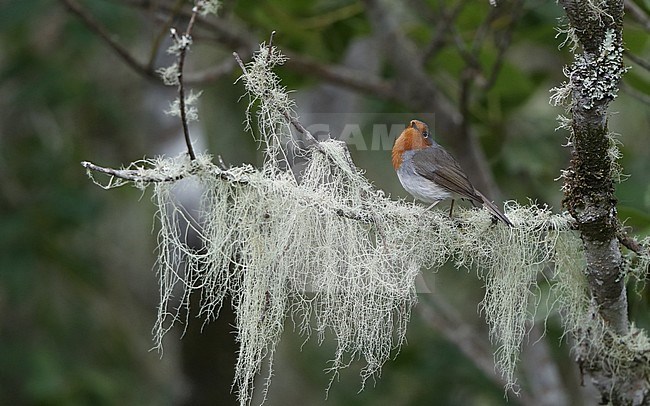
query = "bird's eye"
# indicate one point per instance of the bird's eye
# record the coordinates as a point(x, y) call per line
point(425, 134)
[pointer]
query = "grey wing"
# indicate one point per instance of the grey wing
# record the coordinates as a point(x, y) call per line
point(437, 165)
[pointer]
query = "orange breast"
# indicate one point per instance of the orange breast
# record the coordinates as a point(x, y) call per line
point(410, 139)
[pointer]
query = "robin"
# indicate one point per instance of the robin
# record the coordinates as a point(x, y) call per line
point(430, 173)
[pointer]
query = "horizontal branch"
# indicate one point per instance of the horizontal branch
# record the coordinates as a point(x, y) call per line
point(131, 175)
point(139, 176)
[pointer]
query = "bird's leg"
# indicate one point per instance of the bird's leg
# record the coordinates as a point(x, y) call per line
point(432, 204)
point(451, 208)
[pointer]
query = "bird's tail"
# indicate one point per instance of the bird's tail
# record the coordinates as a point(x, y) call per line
point(494, 209)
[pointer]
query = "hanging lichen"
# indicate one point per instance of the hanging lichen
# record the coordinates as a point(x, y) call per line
point(336, 256)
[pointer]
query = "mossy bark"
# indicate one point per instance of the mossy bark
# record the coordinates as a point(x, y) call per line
point(589, 184)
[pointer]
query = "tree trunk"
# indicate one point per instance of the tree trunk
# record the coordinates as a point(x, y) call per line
point(589, 184)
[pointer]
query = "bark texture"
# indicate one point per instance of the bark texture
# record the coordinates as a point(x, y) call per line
point(597, 26)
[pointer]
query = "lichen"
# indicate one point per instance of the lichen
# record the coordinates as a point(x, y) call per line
point(336, 257)
point(596, 76)
point(331, 252)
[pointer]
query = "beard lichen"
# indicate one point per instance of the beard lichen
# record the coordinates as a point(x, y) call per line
point(336, 256)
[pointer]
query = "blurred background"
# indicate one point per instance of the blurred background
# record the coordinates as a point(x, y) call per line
point(78, 289)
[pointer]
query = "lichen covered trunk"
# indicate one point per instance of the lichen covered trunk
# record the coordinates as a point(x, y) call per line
point(609, 357)
point(589, 182)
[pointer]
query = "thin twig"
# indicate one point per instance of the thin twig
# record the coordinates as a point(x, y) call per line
point(270, 47)
point(99, 29)
point(165, 27)
point(481, 33)
point(287, 115)
point(470, 56)
point(447, 19)
point(504, 43)
point(240, 63)
point(631, 243)
point(185, 42)
point(132, 175)
point(467, 78)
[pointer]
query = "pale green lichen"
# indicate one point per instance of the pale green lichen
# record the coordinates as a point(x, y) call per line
point(330, 252)
point(338, 257)
point(206, 7)
point(561, 95)
point(191, 111)
point(596, 77)
point(570, 37)
point(169, 75)
point(180, 42)
point(334, 250)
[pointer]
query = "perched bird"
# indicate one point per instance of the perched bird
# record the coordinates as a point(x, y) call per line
point(430, 173)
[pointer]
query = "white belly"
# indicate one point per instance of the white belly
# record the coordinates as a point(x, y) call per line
point(421, 188)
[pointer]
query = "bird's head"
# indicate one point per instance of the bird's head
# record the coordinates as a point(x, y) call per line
point(415, 136)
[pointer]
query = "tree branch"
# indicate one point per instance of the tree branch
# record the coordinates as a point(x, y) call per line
point(163, 32)
point(345, 77)
point(640, 96)
point(594, 78)
point(287, 114)
point(589, 187)
point(144, 176)
point(131, 175)
point(147, 70)
point(413, 87)
point(631, 243)
point(503, 43)
point(439, 39)
point(211, 74)
point(184, 42)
